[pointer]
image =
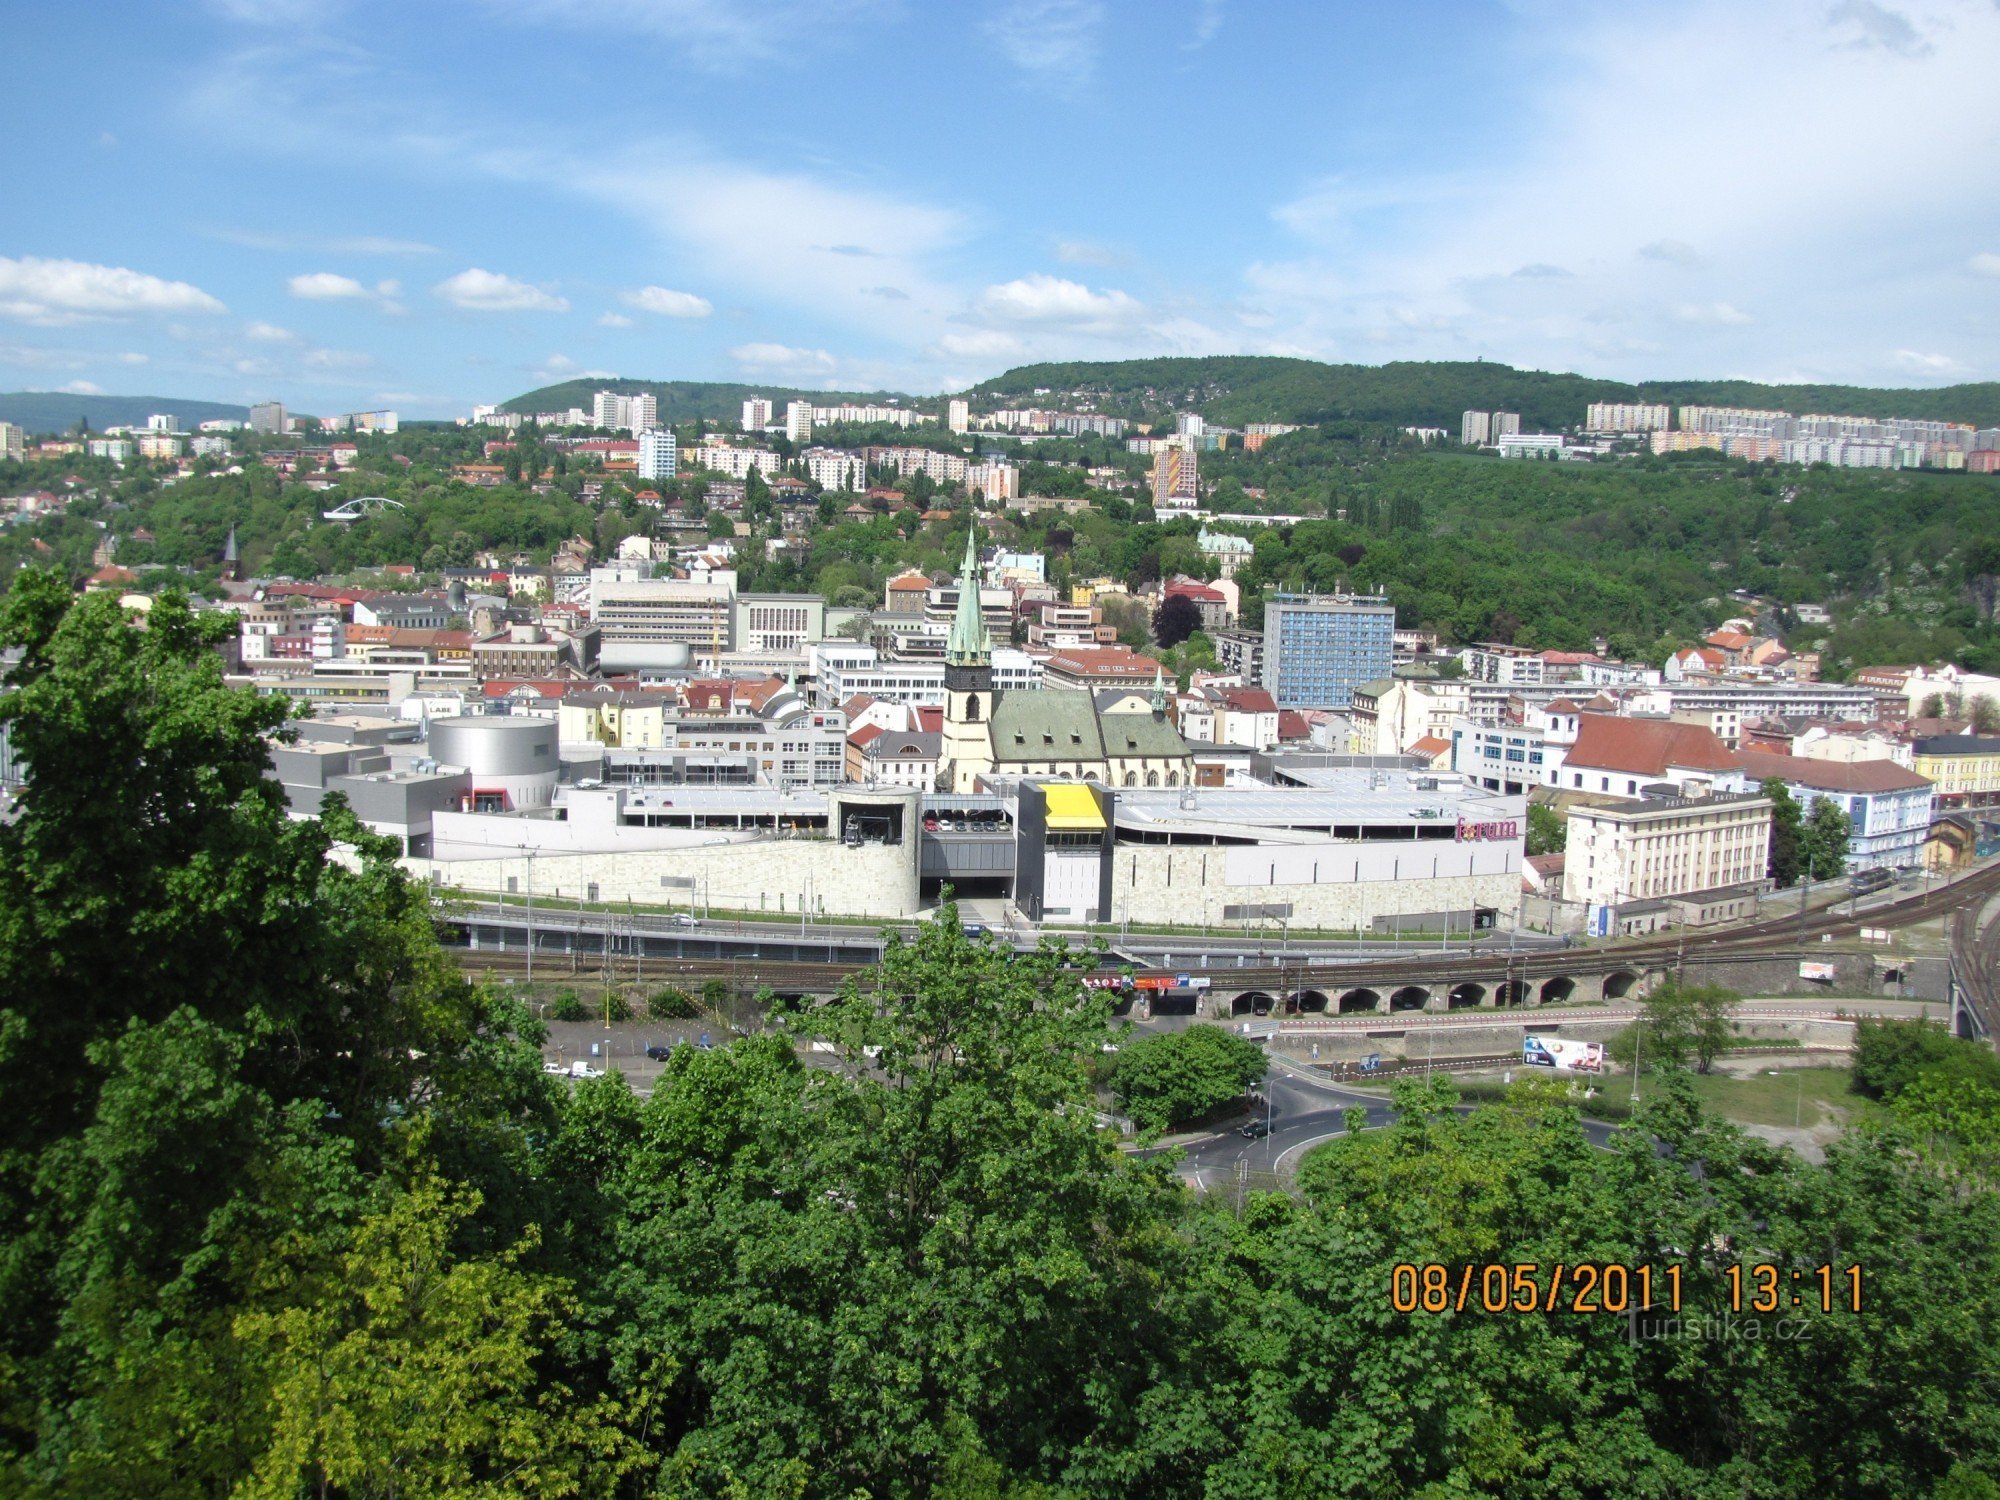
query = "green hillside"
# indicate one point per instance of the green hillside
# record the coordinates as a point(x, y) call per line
point(684, 400)
point(57, 411)
point(1250, 388)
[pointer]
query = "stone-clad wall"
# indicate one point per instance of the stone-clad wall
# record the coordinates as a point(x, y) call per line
point(1192, 885)
point(774, 875)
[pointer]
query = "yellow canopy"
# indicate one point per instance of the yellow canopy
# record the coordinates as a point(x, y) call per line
point(1072, 807)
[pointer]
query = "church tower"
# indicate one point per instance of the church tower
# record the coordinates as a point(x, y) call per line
point(967, 746)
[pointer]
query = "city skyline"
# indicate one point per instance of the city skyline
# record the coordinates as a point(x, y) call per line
point(352, 207)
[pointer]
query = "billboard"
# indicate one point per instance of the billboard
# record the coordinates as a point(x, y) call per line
point(1824, 973)
point(1600, 921)
point(1564, 1056)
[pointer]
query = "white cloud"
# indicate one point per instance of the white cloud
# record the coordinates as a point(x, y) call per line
point(326, 286)
point(1658, 278)
point(1673, 252)
point(1931, 364)
point(288, 14)
point(782, 359)
point(1091, 253)
point(84, 388)
point(669, 304)
point(774, 235)
point(1875, 27)
point(490, 291)
point(1042, 298)
point(1055, 42)
point(614, 320)
point(348, 244)
point(1207, 24)
point(338, 359)
point(1985, 265)
point(715, 35)
point(50, 292)
point(986, 343)
point(269, 333)
point(1710, 312)
point(134, 357)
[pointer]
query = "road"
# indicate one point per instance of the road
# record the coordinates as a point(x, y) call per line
point(1304, 1111)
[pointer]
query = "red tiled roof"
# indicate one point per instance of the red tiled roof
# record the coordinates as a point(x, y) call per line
point(1430, 747)
point(1247, 700)
point(1831, 775)
point(865, 736)
point(930, 720)
point(1109, 663)
point(1646, 747)
point(1562, 706)
point(1292, 725)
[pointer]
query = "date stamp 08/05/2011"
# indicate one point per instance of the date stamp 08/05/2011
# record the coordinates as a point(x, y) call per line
point(1588, 1287)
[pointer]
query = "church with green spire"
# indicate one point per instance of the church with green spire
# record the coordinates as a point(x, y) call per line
point(1050, 733)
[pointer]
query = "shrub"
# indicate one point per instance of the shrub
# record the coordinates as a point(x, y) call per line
point(673, 1005)
point(568, 1006)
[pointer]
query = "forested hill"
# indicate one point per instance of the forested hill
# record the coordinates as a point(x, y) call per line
point(685, 400)
point(58, 411)
point(1253, 388)
point(1257, 388)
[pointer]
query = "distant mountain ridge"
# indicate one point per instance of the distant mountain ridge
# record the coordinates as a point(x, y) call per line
point(1254, 388)
point(685, 400)
point(1234, 389)
point(57, 411)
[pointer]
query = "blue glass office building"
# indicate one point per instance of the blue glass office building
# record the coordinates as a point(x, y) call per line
point(1318, 648)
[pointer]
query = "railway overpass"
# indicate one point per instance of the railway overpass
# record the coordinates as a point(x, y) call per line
point(1785, 954)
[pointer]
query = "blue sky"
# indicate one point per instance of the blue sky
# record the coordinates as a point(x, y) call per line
point(347, 204)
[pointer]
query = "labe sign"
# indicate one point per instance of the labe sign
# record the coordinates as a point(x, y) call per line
point(1481, 833)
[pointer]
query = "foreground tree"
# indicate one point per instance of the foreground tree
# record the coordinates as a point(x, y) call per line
point(207, 1028)
point(1167, 1080)
point(873, 1278)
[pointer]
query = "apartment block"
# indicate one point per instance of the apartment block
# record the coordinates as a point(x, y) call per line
point(1655, 847)
point(1318, 648)
point(657, 453)
point(1176, 480)
point(1609, 416)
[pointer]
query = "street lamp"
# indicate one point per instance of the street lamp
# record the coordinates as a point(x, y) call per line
point(1638, 1044)
point(531, 916)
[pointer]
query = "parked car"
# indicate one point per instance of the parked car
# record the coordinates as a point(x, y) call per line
point(930, 825)
point(659, 1052)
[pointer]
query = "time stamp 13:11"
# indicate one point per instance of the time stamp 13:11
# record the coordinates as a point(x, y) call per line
point(1611, 1287)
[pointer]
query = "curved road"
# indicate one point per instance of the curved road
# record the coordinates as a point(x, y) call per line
point(1304, 1111)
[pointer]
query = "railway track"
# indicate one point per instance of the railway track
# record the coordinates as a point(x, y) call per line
point(1961, 901)
point(1975, 958)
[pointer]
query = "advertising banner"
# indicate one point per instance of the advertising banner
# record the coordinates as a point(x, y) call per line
point(1564, 1056)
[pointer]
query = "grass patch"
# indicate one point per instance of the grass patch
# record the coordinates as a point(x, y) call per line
point(1807, 1096)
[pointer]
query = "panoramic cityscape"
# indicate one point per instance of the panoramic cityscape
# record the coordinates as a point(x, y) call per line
point(1002, 839)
